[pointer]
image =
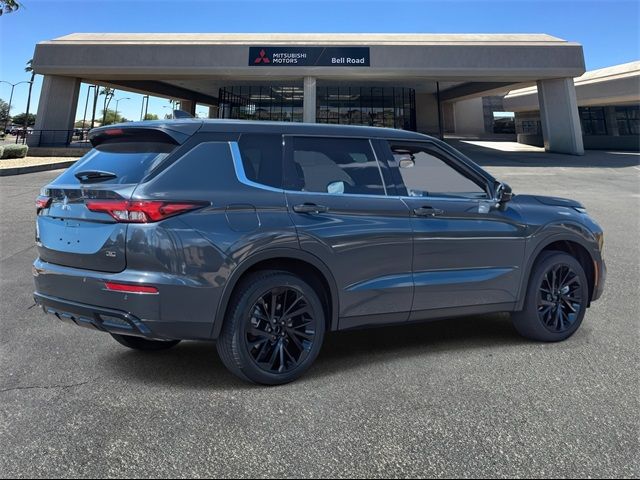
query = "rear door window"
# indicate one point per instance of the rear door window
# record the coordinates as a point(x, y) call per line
point(332, 165)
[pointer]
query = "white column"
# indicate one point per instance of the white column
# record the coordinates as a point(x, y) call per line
point(309, 102)
point(56, 110)
point(559, 116)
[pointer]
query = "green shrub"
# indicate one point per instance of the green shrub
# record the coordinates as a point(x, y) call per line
point(14, 151)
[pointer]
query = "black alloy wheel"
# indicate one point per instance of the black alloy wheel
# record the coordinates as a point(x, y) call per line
point(556, 300)
point(274, 327)
point(560, 298)
point(282, 330)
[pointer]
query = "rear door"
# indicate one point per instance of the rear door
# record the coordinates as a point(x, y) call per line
point(345, 216)
point(69, 233)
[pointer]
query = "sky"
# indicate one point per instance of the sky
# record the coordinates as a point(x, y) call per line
point(607, 29)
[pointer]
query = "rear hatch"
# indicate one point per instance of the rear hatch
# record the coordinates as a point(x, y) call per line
point(71, 229)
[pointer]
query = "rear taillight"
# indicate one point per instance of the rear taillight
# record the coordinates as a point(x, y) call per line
point(42, 201)
point(140, 211)
point(129, 288)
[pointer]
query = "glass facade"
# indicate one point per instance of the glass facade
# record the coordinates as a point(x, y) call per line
point(374, 106)
point(279, 103)
point(592, 120)
point(628, 119)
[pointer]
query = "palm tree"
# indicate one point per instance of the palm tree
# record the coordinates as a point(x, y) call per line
point(108, 95)
point(29, 69)
point(8, 6)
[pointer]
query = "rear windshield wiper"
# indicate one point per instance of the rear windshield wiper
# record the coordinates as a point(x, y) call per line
point(94, 176)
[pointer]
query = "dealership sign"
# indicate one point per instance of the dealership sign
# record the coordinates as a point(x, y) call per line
point(309, 56)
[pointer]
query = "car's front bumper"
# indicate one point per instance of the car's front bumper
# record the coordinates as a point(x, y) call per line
point(600, 279)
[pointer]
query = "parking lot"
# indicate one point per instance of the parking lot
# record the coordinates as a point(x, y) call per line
point(455, 398)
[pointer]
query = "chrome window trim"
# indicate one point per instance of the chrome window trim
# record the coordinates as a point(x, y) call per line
point(242, 178)
point(240, 173)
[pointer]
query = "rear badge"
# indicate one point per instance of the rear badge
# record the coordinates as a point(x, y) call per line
point(110, 254)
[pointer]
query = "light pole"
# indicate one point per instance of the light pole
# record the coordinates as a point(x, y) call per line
point(13, 85)
point(86, 104)
point(143, 108)
point(115, 117)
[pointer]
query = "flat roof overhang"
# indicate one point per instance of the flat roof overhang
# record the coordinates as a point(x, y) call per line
point(616, 85)
point(183, 61)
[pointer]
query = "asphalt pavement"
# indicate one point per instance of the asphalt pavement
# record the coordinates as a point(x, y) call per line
point(456, 398)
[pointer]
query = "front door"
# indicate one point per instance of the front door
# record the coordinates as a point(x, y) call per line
point(346, 217)
point(468, 251)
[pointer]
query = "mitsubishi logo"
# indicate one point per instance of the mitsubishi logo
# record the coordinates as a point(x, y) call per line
point(262, 58)
point(65, 203)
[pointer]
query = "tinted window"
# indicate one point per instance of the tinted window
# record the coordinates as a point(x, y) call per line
point(262, 158)
point(129, 161)
point(333, 165)
point(425, 172)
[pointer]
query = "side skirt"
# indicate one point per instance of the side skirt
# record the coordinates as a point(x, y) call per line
point(379, 320)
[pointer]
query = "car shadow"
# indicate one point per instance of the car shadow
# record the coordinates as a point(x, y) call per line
point(195, 365)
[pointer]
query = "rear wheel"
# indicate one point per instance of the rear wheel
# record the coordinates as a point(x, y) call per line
point(273, 330)
point(138, 343)
point(556, 300)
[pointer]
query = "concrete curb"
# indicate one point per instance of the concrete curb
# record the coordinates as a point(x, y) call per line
point(5, 172)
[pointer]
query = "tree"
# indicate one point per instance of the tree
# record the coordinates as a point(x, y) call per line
point(110, 117)
point(23, 118)
point(4, 112)
point(8, 6)
point(108, 93)
point(151, 116)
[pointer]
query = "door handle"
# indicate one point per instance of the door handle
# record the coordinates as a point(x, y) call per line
point(427, 211)
point(310, 208)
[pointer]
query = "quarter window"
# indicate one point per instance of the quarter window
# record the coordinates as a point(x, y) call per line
point(262, 158)
point(333, 165)
point(426, 172)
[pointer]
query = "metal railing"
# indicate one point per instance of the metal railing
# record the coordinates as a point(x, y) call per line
point(54, 138)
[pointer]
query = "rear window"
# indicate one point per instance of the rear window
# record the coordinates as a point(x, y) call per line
point(130, 162)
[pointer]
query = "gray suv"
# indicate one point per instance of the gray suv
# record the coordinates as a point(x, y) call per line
point(264, 236)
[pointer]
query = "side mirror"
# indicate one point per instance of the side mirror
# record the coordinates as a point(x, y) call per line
point(406, 161)
point(336, 188)
point(503, 193)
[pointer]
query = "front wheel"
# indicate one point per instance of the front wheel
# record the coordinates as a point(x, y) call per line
point(556, 300)
point(138, 343)
point(273, 330)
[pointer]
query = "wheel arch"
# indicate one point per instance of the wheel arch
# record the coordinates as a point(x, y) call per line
point(294, 261)
point(572, 245)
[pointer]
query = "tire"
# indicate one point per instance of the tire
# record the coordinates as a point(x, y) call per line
point(539, 320)
point(261, 345)
point(138, 343)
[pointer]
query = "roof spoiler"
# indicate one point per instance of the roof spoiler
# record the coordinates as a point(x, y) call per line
point(163, 133)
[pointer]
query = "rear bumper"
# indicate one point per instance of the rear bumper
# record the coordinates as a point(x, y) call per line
point(183, 308)
point(96, 318)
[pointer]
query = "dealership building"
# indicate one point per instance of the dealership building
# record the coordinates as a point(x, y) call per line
point(608, 107)
point(420, 82)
